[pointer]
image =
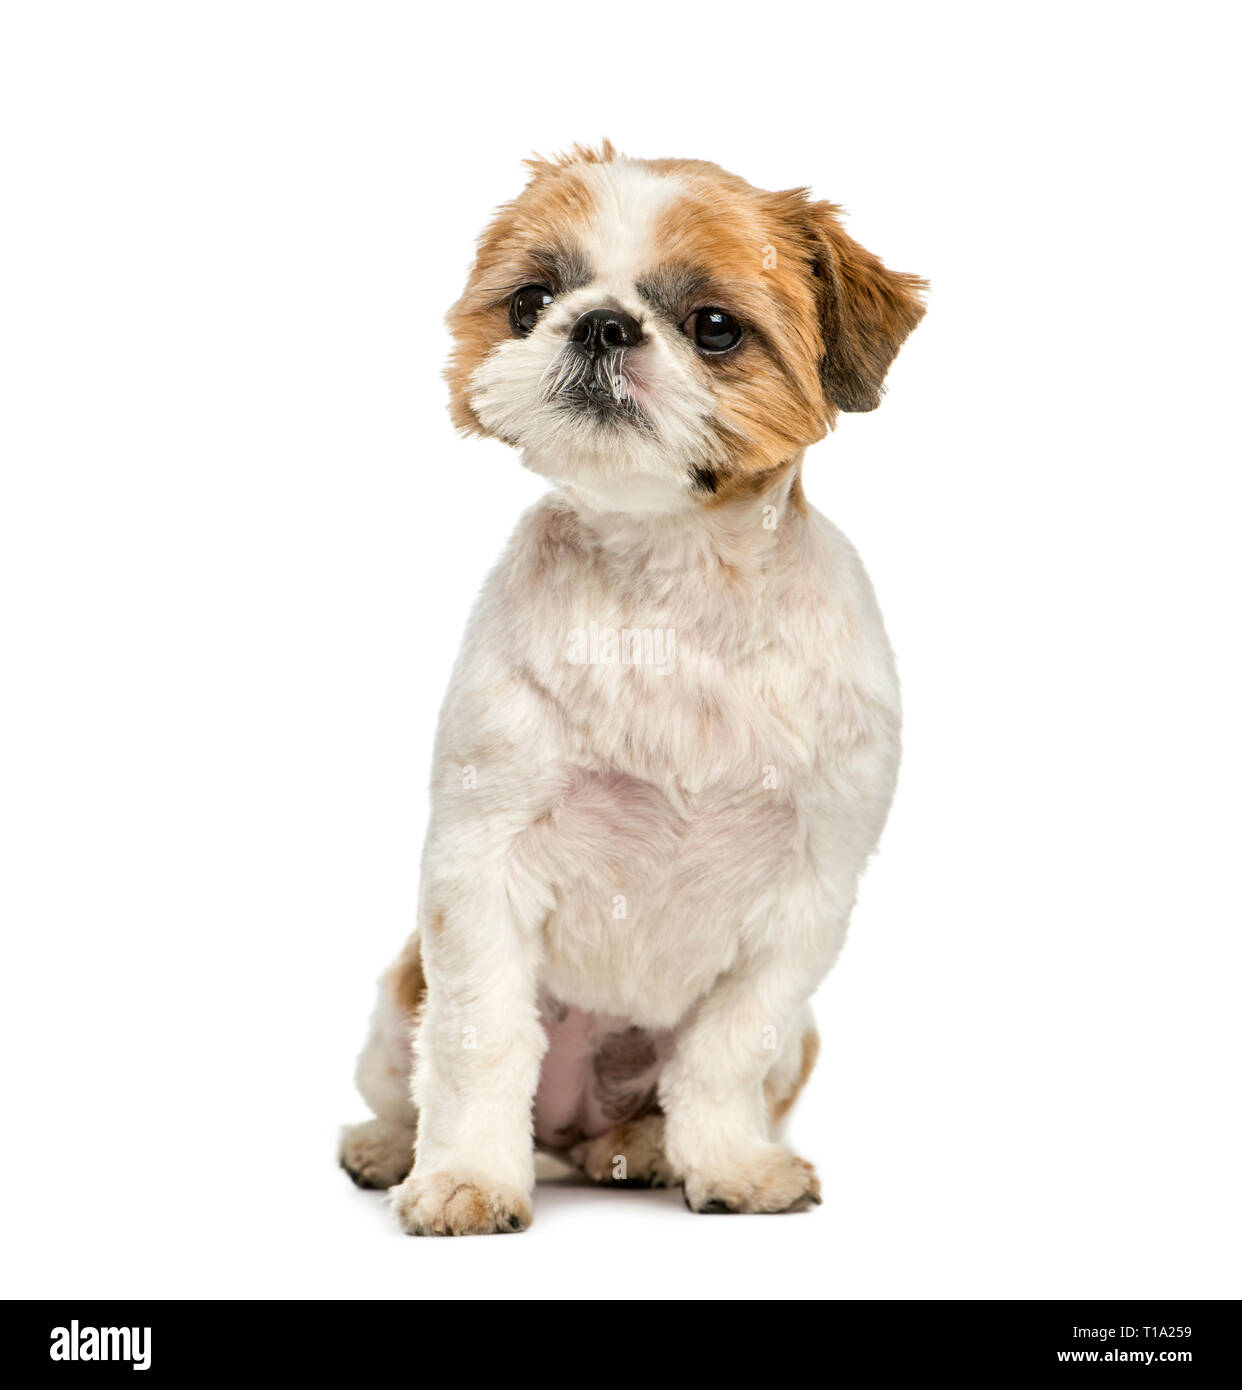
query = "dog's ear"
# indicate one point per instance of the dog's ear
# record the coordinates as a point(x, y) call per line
point(866, 310)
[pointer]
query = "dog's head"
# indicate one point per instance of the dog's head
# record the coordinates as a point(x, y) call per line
point(649, 330)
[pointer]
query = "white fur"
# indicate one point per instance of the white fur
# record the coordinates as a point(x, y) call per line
point(731, 802)
point(681, 847)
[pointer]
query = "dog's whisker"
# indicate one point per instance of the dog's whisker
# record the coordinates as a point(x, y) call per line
point(610, 374)
point(561, 374)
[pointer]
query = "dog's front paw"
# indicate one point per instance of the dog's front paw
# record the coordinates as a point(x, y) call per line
point(458, 1204)
point(770, 1179)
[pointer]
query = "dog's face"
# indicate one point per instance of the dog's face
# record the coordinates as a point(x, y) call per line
point(658, 331)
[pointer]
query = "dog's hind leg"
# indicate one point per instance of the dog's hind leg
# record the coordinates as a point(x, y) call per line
point(630, 1154)
point(380, 1152)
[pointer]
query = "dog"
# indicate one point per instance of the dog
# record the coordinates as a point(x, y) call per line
point(671, 738)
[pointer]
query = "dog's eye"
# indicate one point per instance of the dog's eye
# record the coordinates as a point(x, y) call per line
point(713, 330)
point(526, 306)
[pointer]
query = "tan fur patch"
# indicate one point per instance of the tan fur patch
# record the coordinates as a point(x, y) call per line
point(639, 1142)
point(467, 1209)
point(548, 215)
point(406, 978)
point(756, 261)
point(780, 1105)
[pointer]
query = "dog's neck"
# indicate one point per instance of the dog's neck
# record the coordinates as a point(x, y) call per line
point(742, 533)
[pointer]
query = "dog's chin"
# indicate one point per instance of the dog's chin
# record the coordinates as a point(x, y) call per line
point(630, 433)
point(603, 449)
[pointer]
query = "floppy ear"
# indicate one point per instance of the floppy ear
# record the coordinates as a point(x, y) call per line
point(867, 311)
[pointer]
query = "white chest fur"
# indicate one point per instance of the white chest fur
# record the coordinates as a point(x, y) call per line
point(683, 733)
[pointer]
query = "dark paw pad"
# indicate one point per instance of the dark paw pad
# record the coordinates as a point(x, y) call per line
point(360, 1179)
point(714, 1207)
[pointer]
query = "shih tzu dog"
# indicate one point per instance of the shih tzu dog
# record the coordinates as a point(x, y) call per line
point(671, 738)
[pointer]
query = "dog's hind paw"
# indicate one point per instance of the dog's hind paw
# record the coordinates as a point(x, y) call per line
point(377, 1153)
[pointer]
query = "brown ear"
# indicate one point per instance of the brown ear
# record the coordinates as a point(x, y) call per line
point(867, 312)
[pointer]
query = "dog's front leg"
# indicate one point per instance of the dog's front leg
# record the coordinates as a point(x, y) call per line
point(477, 1057)
point(711, 1090)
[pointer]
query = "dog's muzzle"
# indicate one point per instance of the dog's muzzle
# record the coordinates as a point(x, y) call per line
point(589, 371)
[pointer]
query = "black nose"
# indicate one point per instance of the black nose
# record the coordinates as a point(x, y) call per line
point(606, 330)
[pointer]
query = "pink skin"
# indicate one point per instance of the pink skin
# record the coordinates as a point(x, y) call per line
point(567, 1107)
point(636, 383)
point(565, 1077)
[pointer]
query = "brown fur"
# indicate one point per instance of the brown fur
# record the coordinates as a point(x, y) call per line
point(467, 1210)
point(546, 215)
point(868, 311)
point(780, 1104)
point(640, 1142)
point(623, 1060)
point(771, 403)
point(406, 978)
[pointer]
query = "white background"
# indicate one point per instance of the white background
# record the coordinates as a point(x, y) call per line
point(238, 541)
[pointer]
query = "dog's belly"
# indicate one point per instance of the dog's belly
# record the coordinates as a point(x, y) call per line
point(653, 898)
point(597, 1072)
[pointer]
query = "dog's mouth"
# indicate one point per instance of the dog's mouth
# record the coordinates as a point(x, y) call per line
point(592, 385)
